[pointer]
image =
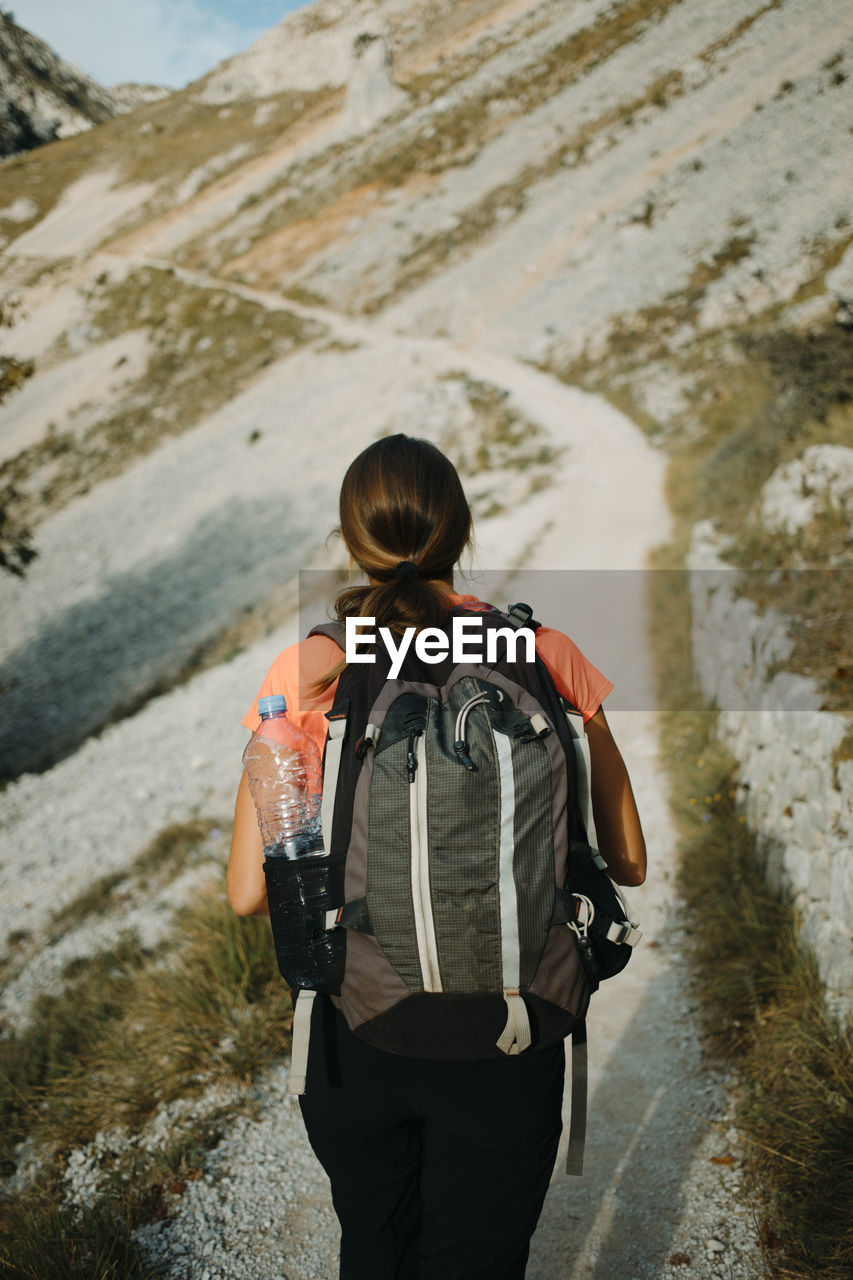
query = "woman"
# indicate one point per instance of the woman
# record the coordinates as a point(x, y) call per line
point(438, 1168)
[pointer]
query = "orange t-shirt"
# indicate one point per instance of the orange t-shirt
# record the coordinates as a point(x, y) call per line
point(297, 668)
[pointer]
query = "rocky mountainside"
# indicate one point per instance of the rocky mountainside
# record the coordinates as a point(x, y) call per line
point(605, 190)
point(43, 98)
point(600, 253)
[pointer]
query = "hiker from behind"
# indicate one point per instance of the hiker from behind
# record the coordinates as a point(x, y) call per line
point(462, 867)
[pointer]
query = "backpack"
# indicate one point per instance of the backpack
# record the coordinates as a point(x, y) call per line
point(462, 863)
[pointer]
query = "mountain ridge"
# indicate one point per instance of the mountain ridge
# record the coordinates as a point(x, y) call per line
point(43, 98)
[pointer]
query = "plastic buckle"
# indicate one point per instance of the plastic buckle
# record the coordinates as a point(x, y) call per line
point(584, 912)
point(622, 931)
point(518, 615)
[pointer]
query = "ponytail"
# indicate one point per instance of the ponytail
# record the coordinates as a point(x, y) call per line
point(405, 521)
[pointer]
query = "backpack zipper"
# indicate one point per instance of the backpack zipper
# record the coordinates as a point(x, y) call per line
point(427, 943)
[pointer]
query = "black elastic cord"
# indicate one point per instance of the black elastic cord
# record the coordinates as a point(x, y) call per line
point(405, 569)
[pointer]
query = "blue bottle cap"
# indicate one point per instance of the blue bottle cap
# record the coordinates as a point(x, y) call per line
point(274, 705)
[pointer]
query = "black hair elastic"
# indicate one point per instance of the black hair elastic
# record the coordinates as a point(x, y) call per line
point(405, 569)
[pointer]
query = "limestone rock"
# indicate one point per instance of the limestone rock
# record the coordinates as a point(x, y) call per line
point(797, 491)
point(795, 793)
point(43, 98)
point(839, 281)
point(371, 92)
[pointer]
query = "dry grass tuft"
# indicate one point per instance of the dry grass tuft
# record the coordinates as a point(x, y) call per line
point(780, 392)
point(174, 848)
point(41, 1241)
point(133, 1030)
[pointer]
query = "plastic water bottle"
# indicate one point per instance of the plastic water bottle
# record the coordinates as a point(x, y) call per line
point(285, 780)
point(283, 765)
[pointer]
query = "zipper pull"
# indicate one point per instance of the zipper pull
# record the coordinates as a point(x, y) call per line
point(371, 735)
point(411, 758)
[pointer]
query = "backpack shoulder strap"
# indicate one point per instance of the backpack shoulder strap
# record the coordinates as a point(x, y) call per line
point(517, 615)
point(334, 630)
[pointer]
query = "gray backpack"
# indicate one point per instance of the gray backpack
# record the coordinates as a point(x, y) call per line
point(462, 864)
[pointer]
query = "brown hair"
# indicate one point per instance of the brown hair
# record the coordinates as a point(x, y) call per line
point(402, 501)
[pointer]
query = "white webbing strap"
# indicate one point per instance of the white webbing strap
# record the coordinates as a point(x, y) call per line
point(516, 1036)
point(585, 789)
point(507, 892)
point(300, 1040)
point(584, 776)
point(577, 1123)
point(331, 769)
point(623, 932)
point(629, 917)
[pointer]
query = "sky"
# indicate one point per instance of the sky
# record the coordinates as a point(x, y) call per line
point(167, 42)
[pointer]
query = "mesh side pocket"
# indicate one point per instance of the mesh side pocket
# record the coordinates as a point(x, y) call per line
point(309, 955)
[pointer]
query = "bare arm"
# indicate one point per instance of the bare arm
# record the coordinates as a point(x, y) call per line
point(244, 879)
point(617, 822)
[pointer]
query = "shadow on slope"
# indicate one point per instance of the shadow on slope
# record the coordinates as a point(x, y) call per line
point(103, 658)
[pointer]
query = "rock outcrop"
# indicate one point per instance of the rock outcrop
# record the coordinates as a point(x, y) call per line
point(839, 281)
point(371, 92)
point(822, 479)
point(795, 777)
point(43, 98)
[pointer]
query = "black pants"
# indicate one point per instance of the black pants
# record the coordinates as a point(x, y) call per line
point(438, 1169)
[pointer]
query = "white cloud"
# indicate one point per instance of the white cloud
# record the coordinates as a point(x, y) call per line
point(158, 41)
